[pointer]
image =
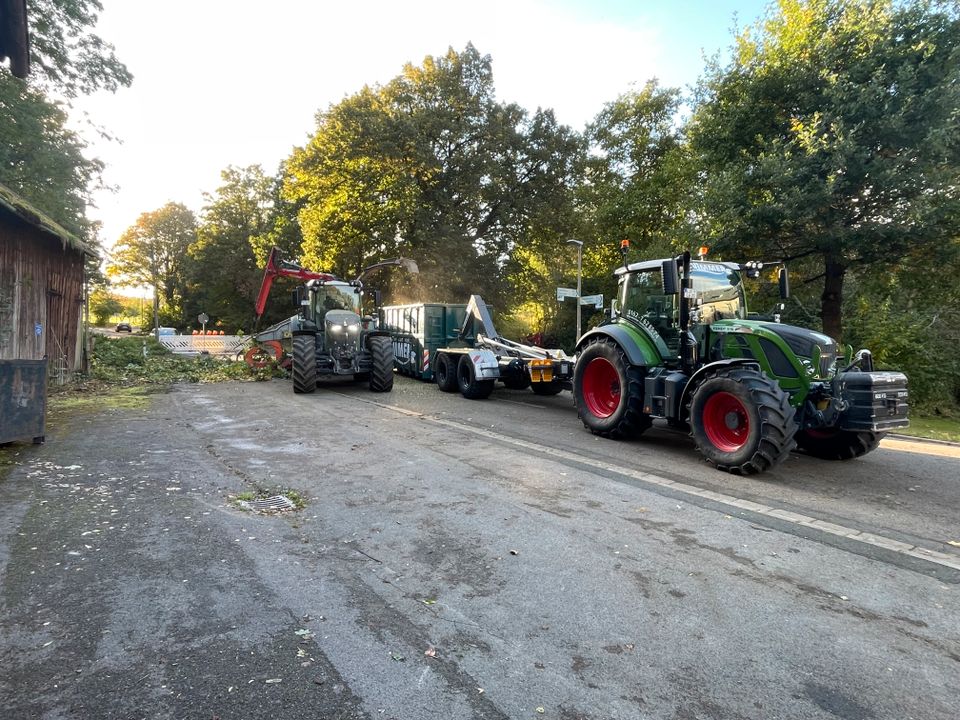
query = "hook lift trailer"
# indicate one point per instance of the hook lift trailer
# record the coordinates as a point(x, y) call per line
point(479, 357)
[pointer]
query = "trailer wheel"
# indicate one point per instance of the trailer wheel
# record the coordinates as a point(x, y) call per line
point(446, 373)
point(471, 387)
point(381, 374)
point(742, 421)
point(546, 388)
point(833, 444)
point(304, 364)
point(608, 391)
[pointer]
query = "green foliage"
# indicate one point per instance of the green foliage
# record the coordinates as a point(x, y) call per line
point(41, 159)
point(832, 135)
point(153, 252)
point(121, 362)
point(65, 55)
point(431, 166)
point(103, 306)
point(223, 274)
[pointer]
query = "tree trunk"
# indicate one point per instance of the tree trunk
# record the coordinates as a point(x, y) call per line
point(831, 302)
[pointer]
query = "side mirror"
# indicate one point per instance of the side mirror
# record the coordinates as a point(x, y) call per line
point(783, 279)
point(296, 298)
point(376, 298)
point(671, 278)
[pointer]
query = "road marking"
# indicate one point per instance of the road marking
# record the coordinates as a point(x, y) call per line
point(525, 404)
point(866, 538)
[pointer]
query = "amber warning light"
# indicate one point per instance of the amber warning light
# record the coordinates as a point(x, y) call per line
point(703, 251)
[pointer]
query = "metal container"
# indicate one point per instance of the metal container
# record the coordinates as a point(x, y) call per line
point(418, 331)
point(23, 400)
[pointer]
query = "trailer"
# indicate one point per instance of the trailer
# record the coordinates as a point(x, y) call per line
point(419, 331)
point(479, 357)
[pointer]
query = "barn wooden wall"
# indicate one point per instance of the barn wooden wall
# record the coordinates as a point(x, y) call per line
point(41, 283)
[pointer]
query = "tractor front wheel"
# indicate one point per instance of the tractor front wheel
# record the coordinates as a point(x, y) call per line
point(381, 372)
point(472, 387)
point(608, 391)
point(304, 369)
point(742, 421)
point(833, 444)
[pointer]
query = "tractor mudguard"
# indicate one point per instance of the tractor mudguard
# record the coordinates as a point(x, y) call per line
point(640, 349)
point(707, 369)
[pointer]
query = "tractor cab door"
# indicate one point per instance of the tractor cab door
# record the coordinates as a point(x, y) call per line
point(643, 300)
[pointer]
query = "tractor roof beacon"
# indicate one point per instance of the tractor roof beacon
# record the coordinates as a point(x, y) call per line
point(680, 345)
point(328, 335)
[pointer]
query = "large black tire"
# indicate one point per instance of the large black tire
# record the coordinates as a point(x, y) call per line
point(304, 369)
point(546, 388)
point(831, 444)
point(742, 420)
point(470, 386)
point(446, 373)
point(381, 372)
point(608, 391)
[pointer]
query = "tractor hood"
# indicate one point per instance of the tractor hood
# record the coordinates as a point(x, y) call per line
point(803, 343)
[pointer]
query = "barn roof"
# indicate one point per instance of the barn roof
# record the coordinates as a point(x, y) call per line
point(15, 204)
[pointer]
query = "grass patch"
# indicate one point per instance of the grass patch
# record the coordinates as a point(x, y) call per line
point(933, 427)
point(262, 493)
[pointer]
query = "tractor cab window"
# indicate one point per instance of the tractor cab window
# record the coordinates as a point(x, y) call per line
point(719, 290)
point(337, 297)
point(643, 300)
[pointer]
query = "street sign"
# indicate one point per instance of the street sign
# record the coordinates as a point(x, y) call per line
point(595, 300)
point(566, 292)
point(203, 318)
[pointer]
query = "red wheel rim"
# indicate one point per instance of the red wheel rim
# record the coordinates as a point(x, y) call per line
point(726, 422)
point(601, 387)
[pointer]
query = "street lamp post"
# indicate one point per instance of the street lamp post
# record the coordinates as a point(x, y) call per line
point(579, 244)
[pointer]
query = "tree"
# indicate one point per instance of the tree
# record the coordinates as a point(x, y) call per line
point(153, 251)
point(224, 277)
point(41, 158)
point(103, 305)
point(432, 166)
point(831, 137)
point(66, 56)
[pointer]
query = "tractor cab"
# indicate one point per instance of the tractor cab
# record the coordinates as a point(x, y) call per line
point(333, 295)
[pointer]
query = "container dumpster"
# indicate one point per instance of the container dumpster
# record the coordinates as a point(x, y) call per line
point(418, 331)
point(23, 400)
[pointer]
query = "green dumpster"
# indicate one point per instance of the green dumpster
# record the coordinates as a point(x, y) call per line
point(418, 331)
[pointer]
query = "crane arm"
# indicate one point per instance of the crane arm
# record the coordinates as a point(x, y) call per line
point(278, 267)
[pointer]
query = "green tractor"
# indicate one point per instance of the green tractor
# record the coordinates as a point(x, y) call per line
point(680, 345)
point(329, 335)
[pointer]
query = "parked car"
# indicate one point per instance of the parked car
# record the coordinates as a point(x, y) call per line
point(124, 327)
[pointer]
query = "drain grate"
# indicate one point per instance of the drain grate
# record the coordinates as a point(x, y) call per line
point(275, 503)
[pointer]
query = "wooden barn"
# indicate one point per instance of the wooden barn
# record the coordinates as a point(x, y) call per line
point(41, 288)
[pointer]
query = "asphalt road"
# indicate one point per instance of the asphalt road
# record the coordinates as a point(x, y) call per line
point(458, 559)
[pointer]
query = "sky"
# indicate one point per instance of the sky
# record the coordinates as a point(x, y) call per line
point(238, 82)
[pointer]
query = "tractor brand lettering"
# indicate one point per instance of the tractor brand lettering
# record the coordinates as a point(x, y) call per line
point(714, 268)
point(731, 328)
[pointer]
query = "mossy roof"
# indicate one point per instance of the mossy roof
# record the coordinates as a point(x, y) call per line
point(15, 204)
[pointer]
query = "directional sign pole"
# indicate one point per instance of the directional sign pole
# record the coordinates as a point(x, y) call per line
point(579, 244)
point(203, 318)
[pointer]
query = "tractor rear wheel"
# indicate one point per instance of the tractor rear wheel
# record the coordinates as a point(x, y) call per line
point(304, 368)
point(446, 373)
point(608, 391)
point(742, 421)
point(381, 372)
point(832, 444)
point(471, 387)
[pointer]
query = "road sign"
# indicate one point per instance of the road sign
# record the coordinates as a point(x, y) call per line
point(566, 292)
point(203, 318)
point(595, 300)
